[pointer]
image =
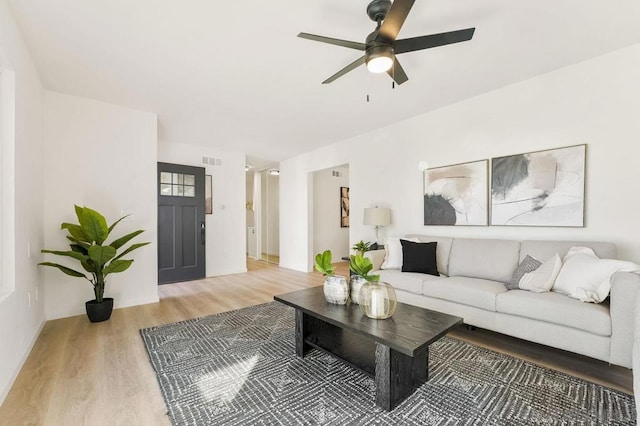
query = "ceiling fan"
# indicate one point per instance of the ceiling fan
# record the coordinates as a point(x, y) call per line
point(381, 47)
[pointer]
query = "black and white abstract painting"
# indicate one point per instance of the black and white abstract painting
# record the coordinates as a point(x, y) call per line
point(457, 194)
point(544, 188)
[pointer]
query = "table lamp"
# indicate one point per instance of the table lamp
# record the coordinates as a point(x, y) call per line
point(377, 217)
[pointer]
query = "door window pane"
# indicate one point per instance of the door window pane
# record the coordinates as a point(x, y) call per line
point(165, 189)
point(165, 177)
point(177, 184)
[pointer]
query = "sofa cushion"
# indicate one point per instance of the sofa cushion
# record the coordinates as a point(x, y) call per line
point(541, 280)
point(393, 253)
point(419, 257)
point(586, 277)
point(557, 309)
point(546, 249)
point(467, 291)
point(407, 281)
point(442, 252)
point(494, 260)
point(528, 264)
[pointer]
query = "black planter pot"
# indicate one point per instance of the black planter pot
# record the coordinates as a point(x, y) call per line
point(98, 312)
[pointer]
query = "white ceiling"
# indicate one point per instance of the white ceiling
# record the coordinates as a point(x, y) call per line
point(233, 75)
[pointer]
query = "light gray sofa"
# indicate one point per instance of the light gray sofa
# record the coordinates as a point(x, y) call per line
point(472, 286)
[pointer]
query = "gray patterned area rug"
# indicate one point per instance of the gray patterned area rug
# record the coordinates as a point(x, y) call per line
point(240, 368)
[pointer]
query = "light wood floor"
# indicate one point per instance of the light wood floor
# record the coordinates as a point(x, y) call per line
point(99, 374)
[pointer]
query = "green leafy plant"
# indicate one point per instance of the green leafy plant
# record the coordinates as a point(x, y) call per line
point(361, 247)
point(323, 263)
point(88, 246)
point(361, 265)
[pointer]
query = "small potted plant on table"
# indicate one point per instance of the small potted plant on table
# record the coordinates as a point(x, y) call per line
point(377, 299)
point(336, 289)
point(360, 266)
point(361, 247)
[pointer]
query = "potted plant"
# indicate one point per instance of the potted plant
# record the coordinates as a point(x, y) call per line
point(360, 266)
point(361, 247)
point(377, 299)
point(97, 257)
point(336, 289)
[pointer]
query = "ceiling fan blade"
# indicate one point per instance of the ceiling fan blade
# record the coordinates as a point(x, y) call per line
point(397, 72)
point(394, 19)
point(433, 40)
point(353, 65)
point(334, 41)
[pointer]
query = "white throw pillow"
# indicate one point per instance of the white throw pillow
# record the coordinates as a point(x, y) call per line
point(393, 253)
point(541, 280)
point(586, 277)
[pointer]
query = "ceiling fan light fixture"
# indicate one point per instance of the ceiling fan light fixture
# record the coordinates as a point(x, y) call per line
point(379, 59)
point(381, 46)
point(379, 64)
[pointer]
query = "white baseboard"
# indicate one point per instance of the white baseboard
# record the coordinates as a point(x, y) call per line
point(137, 302)
point(230, 271)
point(80, 309)
point(23, 359)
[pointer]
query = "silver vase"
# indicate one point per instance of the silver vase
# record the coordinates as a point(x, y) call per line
point(356, 283)
point(336, 289)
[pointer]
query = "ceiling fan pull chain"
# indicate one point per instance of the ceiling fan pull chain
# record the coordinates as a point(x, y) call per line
point(393, 77)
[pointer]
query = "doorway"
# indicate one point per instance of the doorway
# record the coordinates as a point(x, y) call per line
point(331, 213)
point(270, 216)
point(181, 224)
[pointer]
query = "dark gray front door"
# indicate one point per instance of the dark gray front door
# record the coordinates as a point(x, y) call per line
point(181, 226)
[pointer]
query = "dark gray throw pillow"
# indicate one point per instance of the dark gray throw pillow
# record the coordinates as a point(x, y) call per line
point(528, 264)
point(419, 257)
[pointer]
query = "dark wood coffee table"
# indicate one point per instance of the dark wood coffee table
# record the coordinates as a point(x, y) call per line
point(395, 351)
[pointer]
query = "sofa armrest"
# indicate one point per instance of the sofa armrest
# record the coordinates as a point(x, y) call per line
point(624, 290)
point(376, 257)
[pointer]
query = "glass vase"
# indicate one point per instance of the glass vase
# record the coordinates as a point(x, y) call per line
point(336, 289)
point(356, 283)
point(377, 300)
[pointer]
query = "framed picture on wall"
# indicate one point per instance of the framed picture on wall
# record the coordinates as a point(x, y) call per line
point(344, 206)
point(208, 194)
point(457, 194)
point(541, 188)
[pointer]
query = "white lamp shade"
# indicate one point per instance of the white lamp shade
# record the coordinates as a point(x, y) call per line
point(377, 216)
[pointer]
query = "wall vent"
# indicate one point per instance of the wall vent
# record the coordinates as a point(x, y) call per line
point(212, 161)
point(335, 173)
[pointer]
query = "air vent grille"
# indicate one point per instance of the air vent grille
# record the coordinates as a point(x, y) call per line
point(212, 161)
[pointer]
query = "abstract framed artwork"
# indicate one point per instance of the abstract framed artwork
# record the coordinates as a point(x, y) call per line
point(344, 207)
point(208, 194)
point(542, 188)
point(457, 194)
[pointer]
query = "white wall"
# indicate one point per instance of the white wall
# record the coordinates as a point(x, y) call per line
point(20, 323)
point(327, 233)
point(102, 156)
point(226, 227)
point(595, 102)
